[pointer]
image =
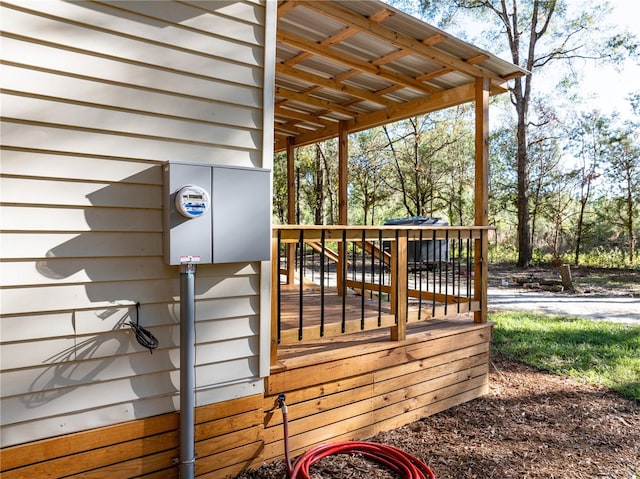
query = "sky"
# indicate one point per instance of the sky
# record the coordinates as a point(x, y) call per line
point(602, 87)
point(609, 86)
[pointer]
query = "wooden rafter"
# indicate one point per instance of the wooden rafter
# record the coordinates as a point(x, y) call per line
point(282, 110)
point(315, 101)
point(341, 14)
point(333, 84)
point(347, 60)
point(364, 64)
point(421, 106)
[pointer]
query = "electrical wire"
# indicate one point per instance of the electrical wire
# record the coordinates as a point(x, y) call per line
point(406, 465)
point(143, 336)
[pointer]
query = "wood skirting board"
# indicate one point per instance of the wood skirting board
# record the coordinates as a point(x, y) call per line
point(337, 391)
point(358, 391)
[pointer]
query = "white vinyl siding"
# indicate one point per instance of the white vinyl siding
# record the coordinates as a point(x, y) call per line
point(96, 96)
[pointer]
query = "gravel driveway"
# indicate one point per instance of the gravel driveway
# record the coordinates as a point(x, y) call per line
point(616, 308)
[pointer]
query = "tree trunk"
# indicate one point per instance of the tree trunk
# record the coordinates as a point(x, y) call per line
point(319, 206)
point(522, 166)
point(630, 224)
point(329, 189)
point(576, 259)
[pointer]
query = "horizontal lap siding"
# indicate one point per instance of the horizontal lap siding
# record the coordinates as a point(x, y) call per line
point(386, 390)
point(95, 98)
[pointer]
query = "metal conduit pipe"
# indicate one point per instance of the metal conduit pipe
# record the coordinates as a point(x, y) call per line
point(187, 371)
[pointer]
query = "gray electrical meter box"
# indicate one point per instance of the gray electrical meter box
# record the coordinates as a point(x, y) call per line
point(216, 214)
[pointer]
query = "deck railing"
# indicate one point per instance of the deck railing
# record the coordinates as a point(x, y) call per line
point(336, 280)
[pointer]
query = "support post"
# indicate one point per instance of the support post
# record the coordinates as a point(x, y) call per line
point(343, 169)
point(401, 287)
point(275, 301)
point(187, 371)
point(343, 160)
point(481, 246)
point(291, 207)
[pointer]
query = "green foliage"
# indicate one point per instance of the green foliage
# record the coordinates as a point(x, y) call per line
point(597, 352)
point(369, 173)
point(502, 253)
point(431, 159)
point(603, 257)
point(539, 257)
point(280, 188)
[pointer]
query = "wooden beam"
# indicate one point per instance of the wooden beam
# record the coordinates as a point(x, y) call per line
point(381, 16)
point(343, 206)
point(285, 7)
point(437, 101)
point(435, 39)
point(332, 84)
point(343, 170)
point(353, 19)
point(435, 74)
point(340, 36)
point(286, 129)
point(291, 183)
point(315, 101)
point(400, 295)
point(481, 249)
point(299, 58)
point(478, 59)
point(392, 56)
point(275, 280)
point(291, 209)
point(284, 111)
point(350, 61)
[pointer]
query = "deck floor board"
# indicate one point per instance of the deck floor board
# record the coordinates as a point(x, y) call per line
point(312, 312)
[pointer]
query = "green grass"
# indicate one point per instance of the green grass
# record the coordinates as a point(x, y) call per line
point(597, 352)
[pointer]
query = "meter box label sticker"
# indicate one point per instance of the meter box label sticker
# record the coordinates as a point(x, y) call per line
point(189, 259)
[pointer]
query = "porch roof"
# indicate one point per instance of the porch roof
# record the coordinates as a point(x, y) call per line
point(367, 64)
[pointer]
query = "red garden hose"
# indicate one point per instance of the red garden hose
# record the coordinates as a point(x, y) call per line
point(403, 463)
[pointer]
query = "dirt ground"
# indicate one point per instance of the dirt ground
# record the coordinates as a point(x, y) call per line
point(610, 281)
point(531, 425)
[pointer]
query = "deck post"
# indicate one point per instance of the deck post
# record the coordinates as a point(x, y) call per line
point(481, 246)
point(275, 301)
point(291, 208)
point(343, 164)
point(399, 285)
point(343, 169)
